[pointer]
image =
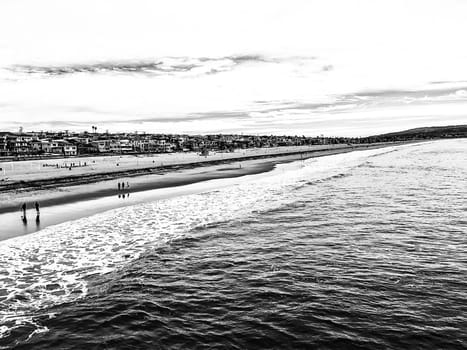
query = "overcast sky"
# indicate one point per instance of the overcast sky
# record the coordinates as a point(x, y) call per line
point(333, 67)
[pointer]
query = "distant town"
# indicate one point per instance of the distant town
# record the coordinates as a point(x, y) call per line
point(26, 145)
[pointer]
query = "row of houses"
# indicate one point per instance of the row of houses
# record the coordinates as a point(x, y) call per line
point(72, 144)
point(26, 144)
point(23, 144)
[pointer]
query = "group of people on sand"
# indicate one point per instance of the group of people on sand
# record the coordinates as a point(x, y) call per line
point(121, 187)
point(24, 208)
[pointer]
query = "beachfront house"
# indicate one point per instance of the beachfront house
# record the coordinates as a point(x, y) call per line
point(58, 147)
point(70, 149)
point(121, 146)
point(86, 148)
point(18, 144)
point(102, 146)
point(51, 147)
point(37, 146)
point(126, 146)
point(114, 146)
point(163, 146)
point(144, 146)
point(3, 146)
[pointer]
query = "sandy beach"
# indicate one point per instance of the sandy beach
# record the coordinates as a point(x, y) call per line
point(64, 196)
point(55, 172)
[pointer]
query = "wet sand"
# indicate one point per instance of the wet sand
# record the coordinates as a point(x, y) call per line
point(86, 200)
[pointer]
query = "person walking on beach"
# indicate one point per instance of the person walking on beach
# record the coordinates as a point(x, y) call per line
point(23, 209)
point(37, 207)
point(119, 186)
point(123, 186)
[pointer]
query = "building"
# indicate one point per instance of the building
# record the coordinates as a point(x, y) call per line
point(70, 149)
point(52, 147)
point(4, 146)
point(102, 146)
point(18, 144)
point(56, 147)
point(121, 146)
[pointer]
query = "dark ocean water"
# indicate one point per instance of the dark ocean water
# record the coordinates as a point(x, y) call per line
point(364, 251)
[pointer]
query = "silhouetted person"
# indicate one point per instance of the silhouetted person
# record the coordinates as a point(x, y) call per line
point(119, 186)
point(37, 206)
point(123, 186)
point(127, 184)
point(23, 209)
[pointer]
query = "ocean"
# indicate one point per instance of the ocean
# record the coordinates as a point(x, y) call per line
point(362, 250)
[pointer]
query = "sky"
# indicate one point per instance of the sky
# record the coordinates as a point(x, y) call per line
point(299, 67)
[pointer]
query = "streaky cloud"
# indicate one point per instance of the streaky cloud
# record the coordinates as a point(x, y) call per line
point(108, 67)
point(221, 115)
point(160, 66)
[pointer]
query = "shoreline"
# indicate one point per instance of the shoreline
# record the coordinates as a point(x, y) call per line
point(114, 167)
point(63, 190)
point(106, 188)
point(65, 203)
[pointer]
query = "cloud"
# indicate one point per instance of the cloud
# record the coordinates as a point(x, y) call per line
point(155, 67)
point(425, 95)
point(443, 82)
point(163, 66)
point(220, 115)
point(160, 66)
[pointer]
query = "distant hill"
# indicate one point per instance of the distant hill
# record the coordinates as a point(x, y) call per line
point(450, 131)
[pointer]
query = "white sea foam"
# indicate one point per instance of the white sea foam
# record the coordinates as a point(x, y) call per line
point(53, 266)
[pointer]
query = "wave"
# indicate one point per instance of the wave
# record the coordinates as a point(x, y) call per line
point(54, 266)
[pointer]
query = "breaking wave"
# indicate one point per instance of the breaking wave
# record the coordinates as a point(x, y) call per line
point(54, 266)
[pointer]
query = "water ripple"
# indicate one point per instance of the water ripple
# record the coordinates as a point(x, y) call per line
point(373, 259)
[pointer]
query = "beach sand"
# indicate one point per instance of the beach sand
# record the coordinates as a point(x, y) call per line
point(53, 173)
point(77, 199)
